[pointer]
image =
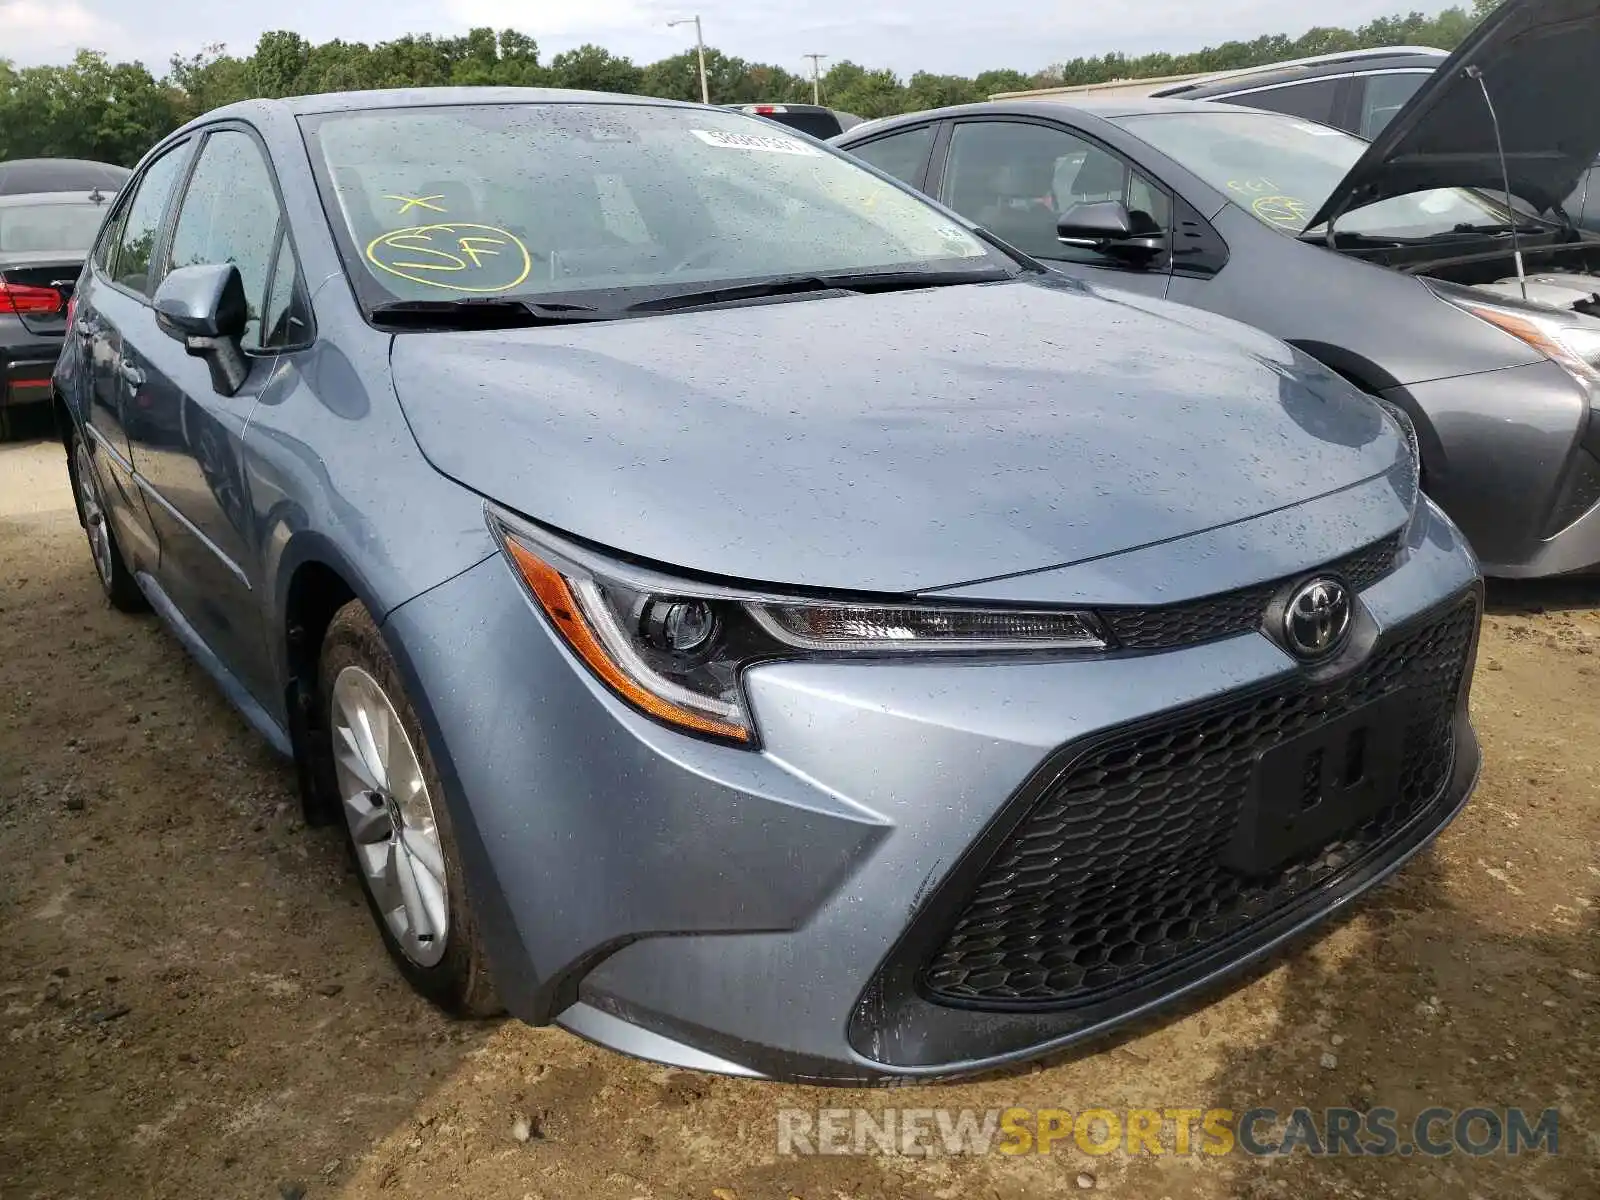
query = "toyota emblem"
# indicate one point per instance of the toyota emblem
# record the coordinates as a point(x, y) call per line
point(1317, 618)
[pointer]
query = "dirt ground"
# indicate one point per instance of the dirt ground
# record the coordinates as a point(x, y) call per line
point(193, 1004)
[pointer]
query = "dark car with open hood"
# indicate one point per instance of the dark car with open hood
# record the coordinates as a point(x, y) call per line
point(1438, 267)
point(737, 611)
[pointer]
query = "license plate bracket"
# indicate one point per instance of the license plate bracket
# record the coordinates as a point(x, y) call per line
point(1325, 782)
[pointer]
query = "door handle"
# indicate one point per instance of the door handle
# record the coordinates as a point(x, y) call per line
point(131, 375)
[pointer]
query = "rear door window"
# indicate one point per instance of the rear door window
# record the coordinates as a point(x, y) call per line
point(903, 155)
point(1314, 99)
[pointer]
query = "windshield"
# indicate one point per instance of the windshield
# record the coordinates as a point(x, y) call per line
point(530, 200)
point(49, 228)
point(1280, 169)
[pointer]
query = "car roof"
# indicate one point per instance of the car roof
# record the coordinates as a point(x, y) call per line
point(331, 102)
point(424, 97)
point(1293, 72)
point(1043, 106)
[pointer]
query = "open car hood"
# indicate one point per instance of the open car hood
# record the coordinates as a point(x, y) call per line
point(1540, 60)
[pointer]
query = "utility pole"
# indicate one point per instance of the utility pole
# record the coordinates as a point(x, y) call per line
point(816, 76)
point(700, 48)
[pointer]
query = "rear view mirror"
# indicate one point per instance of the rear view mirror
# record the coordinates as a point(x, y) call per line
point(1108, 226)
point(205, 308)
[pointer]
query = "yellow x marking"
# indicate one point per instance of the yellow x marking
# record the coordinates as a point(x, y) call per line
point(410, 202)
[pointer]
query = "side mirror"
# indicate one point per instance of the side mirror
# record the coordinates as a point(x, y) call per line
point(204, 307)
point(1108, 226)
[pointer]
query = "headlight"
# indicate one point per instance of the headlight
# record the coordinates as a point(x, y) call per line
point(1569, 339)
point(1408, 430)
point(675, 649)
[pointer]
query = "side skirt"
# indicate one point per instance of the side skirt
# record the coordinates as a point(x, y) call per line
point(259, 719)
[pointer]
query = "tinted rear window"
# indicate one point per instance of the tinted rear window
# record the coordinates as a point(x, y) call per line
point(49, 227)
point(817, 124)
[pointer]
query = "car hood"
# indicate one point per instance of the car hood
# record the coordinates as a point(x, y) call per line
point(1537, 58)
point(887, 443)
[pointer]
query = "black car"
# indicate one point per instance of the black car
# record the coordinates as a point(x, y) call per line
point(816, 119)
point(44, 237)
point(20, 176)
point(1359, 92)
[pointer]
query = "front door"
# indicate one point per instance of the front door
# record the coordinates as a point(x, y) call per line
point(1018, 178)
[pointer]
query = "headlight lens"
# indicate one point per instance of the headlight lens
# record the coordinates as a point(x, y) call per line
point(903, 627)
point(675, 649)
point(1408, 430)
point(1573, 341)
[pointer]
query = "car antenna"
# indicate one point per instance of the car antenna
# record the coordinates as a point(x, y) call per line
point(1476, 72)
point(96, 197)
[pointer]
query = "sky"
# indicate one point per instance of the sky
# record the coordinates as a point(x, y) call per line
point(954, 36)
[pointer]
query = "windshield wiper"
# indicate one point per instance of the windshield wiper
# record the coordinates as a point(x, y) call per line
point(495, 312)
point(796, 285)
point(1353, 239)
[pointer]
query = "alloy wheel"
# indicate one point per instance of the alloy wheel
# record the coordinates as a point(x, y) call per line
point(390, 814)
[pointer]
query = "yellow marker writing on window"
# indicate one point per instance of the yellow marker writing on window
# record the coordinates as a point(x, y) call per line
point(409, 202)
point(454, 257)
point(1282, 210)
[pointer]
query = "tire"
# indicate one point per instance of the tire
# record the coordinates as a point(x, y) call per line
point(414, 879)
point(104, 550)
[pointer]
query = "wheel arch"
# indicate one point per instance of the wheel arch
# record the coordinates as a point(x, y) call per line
point(314, 583)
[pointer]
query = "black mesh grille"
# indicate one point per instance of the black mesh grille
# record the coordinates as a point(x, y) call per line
point(1118, 871)
point(1234, 612)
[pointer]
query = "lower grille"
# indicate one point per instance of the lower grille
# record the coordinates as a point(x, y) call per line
point(1118, 873)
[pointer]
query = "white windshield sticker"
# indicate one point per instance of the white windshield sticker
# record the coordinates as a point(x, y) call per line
point(1317, 130)
point(753, 141)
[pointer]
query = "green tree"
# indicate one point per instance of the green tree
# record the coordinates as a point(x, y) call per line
point(855, 89)
point(94, 108)
point(210, 79)
point(594, 68)
point(939, 91)
point(279, 63)
point(90, 108)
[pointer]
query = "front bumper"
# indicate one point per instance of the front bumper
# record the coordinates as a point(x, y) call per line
point(746, 912)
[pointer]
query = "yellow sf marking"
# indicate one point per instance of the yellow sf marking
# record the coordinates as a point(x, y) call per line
point(471, 248)
point(432, 254)
point(410, 202)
